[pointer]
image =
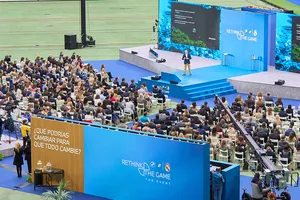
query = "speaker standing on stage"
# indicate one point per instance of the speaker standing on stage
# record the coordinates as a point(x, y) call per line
point(187, 62)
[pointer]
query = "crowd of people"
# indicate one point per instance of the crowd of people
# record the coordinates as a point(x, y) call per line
point(66, 87)
point(274, 127)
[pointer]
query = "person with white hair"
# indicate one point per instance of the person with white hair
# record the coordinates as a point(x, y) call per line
point(142, 90)
point(142, 100)
point(129, 108)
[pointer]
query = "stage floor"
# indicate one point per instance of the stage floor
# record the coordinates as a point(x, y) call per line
point(270, 76)
point(265, 82)
point(212, 73)
point(208, 74)
point(207, 70)
point(173, 60)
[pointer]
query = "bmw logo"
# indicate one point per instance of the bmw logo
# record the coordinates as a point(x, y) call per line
point(152, 164)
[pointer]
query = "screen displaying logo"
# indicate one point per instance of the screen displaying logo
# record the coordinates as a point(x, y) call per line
point(164, 88)
point(248, 35)
point(157, 174)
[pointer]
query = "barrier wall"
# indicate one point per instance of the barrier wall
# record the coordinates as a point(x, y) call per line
point(231, 174)
point(121, 165)
point(61, 144)
point(125, 166)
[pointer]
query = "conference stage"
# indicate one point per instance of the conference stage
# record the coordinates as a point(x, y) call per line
point(241, 80)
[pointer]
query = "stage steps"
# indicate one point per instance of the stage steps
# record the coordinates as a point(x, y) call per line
point(208, 90)
point(195, 92)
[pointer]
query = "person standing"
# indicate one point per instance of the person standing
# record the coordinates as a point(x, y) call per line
point(18, 159)
point(25, 130)
point(27, 151)
point(217, 183)
point(187, 62)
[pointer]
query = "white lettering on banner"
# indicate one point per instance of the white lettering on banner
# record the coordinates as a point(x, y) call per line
point(156, 173)
point(164, 88)
point(249, 35)
point(53, 140)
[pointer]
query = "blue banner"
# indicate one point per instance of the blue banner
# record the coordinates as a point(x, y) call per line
point(244, 37)
point(120, 165)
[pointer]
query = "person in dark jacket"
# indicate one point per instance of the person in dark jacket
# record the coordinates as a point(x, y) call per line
point(161, 96)
point(18, 159)
point(186, 57)
point(27, 151)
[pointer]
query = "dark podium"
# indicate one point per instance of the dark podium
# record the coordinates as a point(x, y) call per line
point(49, 178)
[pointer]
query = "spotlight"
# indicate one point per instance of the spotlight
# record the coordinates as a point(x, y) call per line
point(90, 38)
point(91, 41)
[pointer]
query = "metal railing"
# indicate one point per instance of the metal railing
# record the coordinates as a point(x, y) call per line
point(278, 177)
point(98, 125)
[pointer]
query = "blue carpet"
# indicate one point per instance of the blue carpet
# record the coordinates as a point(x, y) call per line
point(9, 162)
point(297, 2)
point(122, 69)
point(9, 180)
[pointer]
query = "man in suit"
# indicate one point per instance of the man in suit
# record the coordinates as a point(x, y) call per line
point(155, 90)
point(264, 120)
point(275, 135)
point(187, 63)
point(161, 96)
point(282, 113)
point(290, 110)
